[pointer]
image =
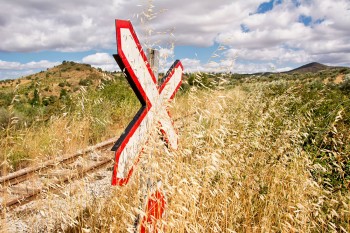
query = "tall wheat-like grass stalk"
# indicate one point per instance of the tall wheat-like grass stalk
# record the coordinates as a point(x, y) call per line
point(240, 168)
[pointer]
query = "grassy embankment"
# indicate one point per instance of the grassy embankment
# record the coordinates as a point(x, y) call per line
point(60, 111)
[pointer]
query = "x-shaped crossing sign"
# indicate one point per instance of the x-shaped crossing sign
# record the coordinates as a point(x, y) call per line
point(154, 99)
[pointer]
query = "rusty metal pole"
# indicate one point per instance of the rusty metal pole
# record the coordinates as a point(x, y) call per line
point(146, 182)
point(153, 59)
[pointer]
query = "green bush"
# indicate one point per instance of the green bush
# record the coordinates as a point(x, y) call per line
point(49, 100)
point(16, 158)
point(85, 82)
point(185, 87)
point(36, 98)
point(4, 117)
point(6, 98)
point(63, 94)
point(345, 85)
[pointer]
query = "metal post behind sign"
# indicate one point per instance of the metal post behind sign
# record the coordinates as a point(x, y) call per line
point(146, 183)
point(153, 59)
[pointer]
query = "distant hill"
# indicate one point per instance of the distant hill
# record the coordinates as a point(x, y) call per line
point(312, 67)
point(68, 76)
point(47, 87)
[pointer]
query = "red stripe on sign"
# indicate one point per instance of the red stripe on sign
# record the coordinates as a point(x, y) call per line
point(176, 89)
point(164, 82)
point(135, 83)
point(127, 24)
point(169, 75)
point(129, 134)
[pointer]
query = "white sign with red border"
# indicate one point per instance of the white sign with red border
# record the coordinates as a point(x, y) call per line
point(154, 99)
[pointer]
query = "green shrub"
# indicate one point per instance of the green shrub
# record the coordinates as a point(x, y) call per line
point(185, 87)
point(36, 98)
point(63, 94)
point(345, 85)
point(49, 100)
point(4, 117)
point(6, 98)
point(16, 158)
point(85, 82)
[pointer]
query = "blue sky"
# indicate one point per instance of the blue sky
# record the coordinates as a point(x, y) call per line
point(215, 36)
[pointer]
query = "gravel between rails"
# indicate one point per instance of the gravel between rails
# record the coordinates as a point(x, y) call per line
point(59, 209)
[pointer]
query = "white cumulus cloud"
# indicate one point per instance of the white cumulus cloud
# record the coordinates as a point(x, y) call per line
point(278, 36)
point(104, 61)
point(16, 69)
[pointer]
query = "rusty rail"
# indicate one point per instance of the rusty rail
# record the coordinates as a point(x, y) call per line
point(21, 175)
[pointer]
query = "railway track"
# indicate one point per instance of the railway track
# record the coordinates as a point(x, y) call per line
point(25, 185)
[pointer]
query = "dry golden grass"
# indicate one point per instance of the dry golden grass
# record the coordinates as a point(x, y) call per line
point(240, 168)
point(339, 79)
point(65, 134)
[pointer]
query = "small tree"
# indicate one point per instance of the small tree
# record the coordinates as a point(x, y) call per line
point(63, 94)
point(36, 98)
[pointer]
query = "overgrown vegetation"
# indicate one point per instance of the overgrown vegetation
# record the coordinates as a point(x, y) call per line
point(263, 153)
point(268, 153)
point(57, 115)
